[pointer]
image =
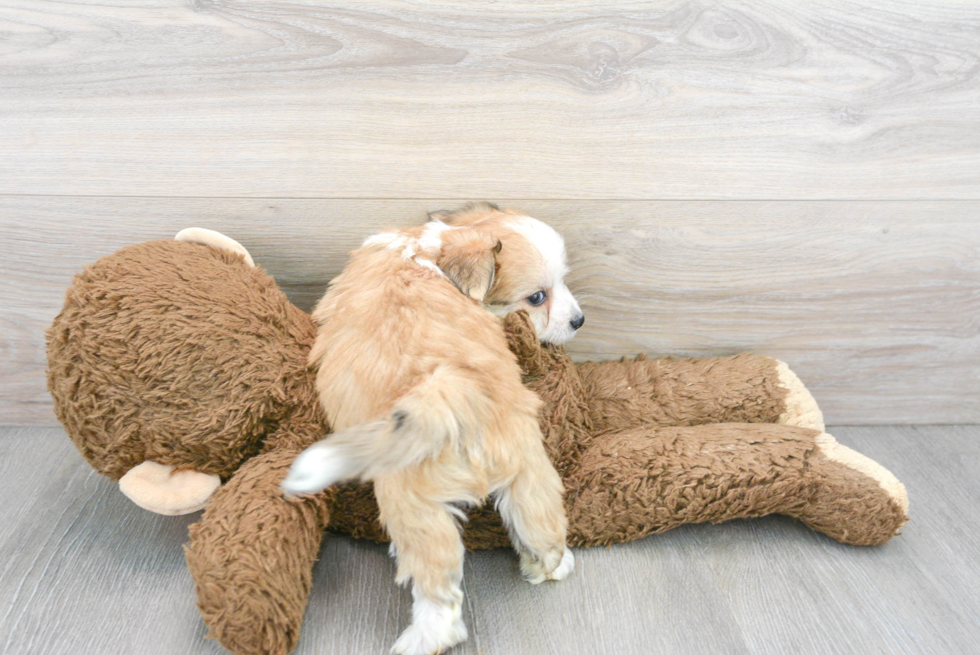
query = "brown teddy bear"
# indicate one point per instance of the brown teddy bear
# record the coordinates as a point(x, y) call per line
point(180, 370)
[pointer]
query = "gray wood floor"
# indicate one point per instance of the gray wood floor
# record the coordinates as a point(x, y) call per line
point(84, 571)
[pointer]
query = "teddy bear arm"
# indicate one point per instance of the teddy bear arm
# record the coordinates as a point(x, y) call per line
point(647, 480)
point(744, 388)
point(163, 489)
point(252, 555)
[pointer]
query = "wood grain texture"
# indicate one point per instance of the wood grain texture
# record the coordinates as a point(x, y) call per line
point(86, 572)
point(876, 305)
point(827, 593)
point(81, 572)
point(563, 99)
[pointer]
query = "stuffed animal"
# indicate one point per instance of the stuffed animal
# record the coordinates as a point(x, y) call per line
point(180, 369)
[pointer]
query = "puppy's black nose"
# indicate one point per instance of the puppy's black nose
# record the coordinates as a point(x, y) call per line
point(578, 321)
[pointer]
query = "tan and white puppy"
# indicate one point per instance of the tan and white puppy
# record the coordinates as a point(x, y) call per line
point(532, 279)
point(426, 400)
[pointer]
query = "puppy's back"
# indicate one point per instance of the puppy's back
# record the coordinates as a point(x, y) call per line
point(387, 323)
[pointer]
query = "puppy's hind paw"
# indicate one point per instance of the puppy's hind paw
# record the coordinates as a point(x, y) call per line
point(537, 571)
point(434, 628)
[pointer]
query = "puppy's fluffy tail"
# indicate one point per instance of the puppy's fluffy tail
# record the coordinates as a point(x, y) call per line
point(435, 414)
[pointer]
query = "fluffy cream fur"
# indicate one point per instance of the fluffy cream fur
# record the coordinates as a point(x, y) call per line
point(426, 400)
point(532, 260)
point(801, 408)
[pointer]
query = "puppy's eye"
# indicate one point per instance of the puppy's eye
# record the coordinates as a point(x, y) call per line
point(537, 298)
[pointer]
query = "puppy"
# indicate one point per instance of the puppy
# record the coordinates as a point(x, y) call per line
point(426, 400)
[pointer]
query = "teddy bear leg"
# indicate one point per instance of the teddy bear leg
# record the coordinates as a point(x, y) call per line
point(159, 488)
point(799, 406)
point(215, 240)
point(252, 555)
point(744, 388)
point(646, 480)
point(855, 499)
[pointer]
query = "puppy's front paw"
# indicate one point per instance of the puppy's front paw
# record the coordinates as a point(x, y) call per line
point(550, 567)
point(566, 566)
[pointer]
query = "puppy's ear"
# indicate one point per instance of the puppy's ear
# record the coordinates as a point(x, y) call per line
point(469, 259)
point(470, 214)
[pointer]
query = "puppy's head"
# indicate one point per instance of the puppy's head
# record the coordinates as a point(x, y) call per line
point(530, 268)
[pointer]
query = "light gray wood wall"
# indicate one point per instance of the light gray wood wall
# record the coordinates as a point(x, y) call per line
point(561, 99)
point(798, 179)
point(875, 304)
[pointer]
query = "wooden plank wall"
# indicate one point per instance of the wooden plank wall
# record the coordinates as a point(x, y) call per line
point(796, 179)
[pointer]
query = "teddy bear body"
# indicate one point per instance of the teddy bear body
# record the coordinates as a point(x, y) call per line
point(184, 355)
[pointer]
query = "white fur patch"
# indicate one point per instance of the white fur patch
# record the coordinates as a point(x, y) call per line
point(381, 239)
point(566, 566)
point(426, 263)
point(431, 239)
point(316, 468)
point(537, 571)
point(564, 307)
point(548, 242)
point(435, 627)
point(429, 243)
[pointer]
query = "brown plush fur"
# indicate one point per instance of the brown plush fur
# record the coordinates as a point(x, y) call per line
point(182, 354)
point(135, 354)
